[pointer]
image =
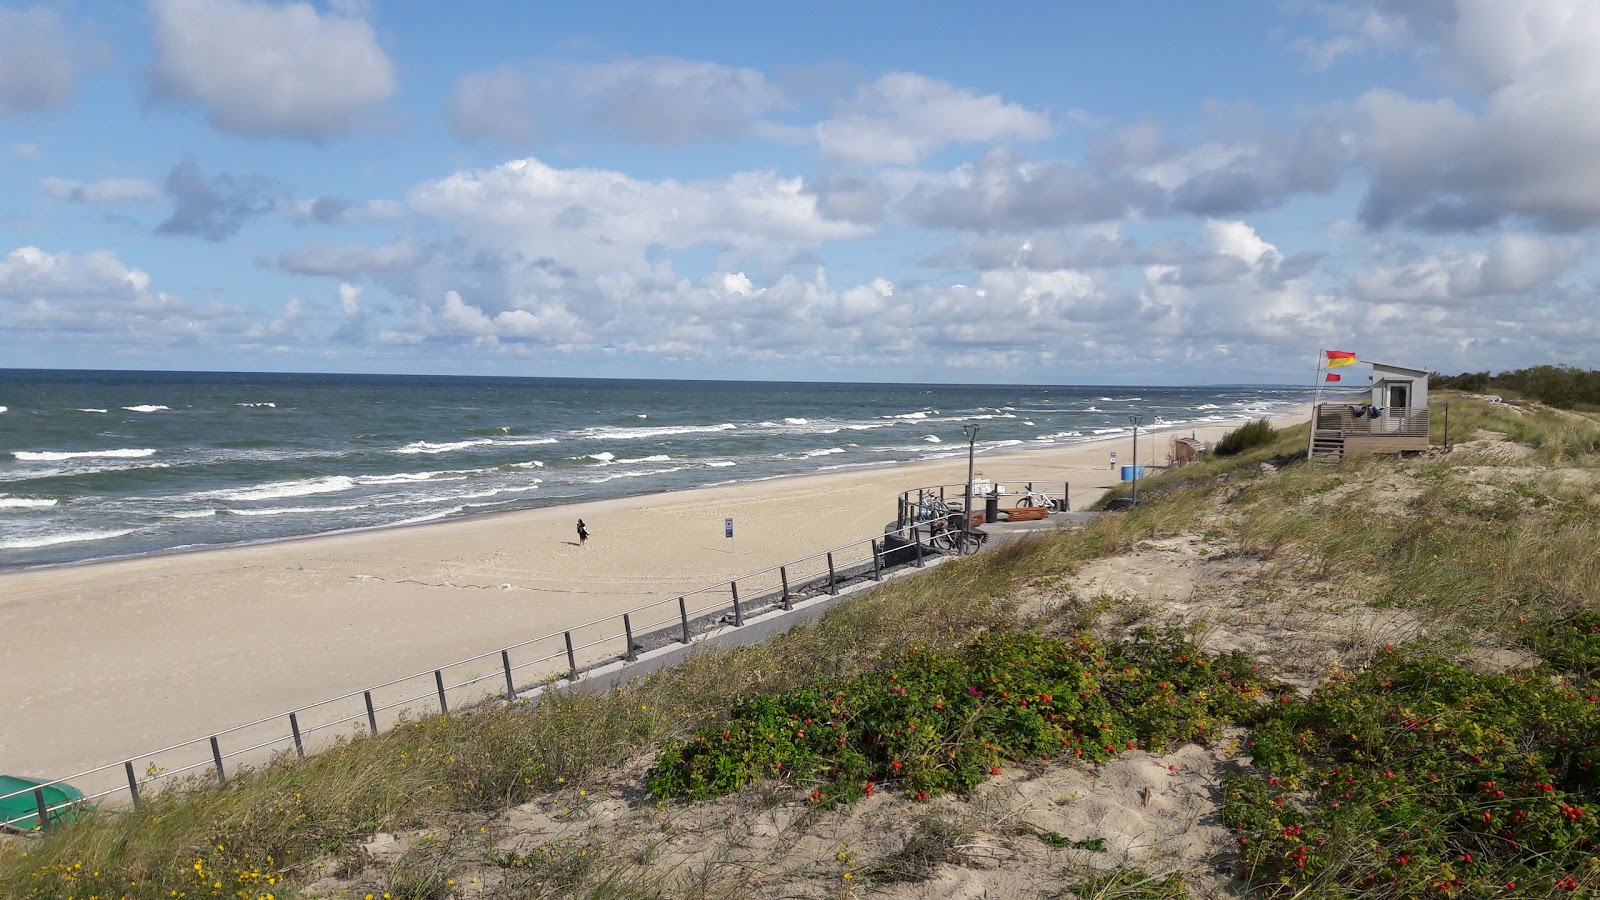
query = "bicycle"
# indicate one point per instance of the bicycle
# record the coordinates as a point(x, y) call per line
point(930, 507)
point(946, 535)
point(1032, 497)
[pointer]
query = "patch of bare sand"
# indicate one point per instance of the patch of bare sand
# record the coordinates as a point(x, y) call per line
point(1229, 603)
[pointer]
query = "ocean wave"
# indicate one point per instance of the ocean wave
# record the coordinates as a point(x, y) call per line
point(630, 434)
point(414, 477)
point(1120, 399)
point(921, 414)
point(932, 439)
point(63, 537)
point(147, 408)
point(788, 421)
point(192, 513)
point(1208, 406)
point(57, 456)
point(293, 510)
point(430, 447)
point(870, 426)
point(90, 409)
point(603, 456)
point(4, 408)
point(265, 404)
point(26, 502)
point(828, 452)
point(530, 464)
point(278, 490)
point(631, 473)
point(989, 416)
point(1092, 408)
point(719, 463)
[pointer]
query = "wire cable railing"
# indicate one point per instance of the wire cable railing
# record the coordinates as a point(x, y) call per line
point(559, 656)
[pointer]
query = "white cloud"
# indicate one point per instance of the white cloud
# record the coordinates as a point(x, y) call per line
point(498, 104)
point(902, 117)
point(667, 101)
point(1523, 147)
point(350, 300)
point(270, 70)
point(1513, 265)
point(37, 70)
point(106, 192)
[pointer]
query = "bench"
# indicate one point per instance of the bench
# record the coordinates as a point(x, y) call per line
point(1024, 513)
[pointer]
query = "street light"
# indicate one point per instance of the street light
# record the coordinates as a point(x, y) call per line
point(1136, 419)
point(971, 431)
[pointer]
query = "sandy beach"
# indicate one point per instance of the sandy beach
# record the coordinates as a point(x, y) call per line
point(110, 660)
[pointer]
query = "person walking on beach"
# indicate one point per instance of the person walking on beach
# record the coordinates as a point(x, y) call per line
point(583, 533)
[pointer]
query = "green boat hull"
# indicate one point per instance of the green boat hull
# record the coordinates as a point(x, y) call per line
point(21, 812)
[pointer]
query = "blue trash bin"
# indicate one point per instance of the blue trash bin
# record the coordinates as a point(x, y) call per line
point(1130, 472)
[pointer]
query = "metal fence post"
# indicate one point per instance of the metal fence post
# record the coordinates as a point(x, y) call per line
point(438, 680)
point(294, 729)
point(133, 783)
point(877, 562)
point(572, 659)
point(1447, 428)
point(833, 580)
point(627, 632)
point(916, 538)
point(783, 577)
point(738, 614)
point(44, 809)
point(505, 662)
point(1066, 496)
point(683, 615)
point(372, 714)
point(216, 757)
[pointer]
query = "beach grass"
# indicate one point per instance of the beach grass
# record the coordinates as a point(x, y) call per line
point(1489, 548)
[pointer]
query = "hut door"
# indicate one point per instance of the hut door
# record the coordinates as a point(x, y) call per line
point(1399, 398)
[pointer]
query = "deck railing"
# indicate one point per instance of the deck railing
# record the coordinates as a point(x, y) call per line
point(540, 660)
point(1345, 419)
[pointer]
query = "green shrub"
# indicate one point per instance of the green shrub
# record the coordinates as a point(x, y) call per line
point(1246, 437)
point(1421, 778)
point(944, 721)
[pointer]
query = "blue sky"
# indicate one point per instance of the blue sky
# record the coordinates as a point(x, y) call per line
point(1031, 192)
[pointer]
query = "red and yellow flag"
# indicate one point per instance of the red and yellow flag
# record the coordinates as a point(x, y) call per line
point(1337, 358)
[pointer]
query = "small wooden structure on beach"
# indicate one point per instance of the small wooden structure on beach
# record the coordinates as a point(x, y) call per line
point(1393, 420)
point(1186, 450)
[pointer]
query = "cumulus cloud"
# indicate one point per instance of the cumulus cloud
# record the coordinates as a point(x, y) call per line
point(264, 70)
point(1521, 147)
point(902, 117)
point(497, 105)
point(667, 101)
point(215, 207)
point(1511, 265)
point(37, 70)
point(599, 221)
point(347, 260)
point(106, 192)
point(1002, 192)
point(67, 296)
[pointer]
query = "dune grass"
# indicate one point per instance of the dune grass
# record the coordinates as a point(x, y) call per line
point(1483, 547)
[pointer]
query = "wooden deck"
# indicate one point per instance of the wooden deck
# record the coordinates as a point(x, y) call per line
point(1339, 429)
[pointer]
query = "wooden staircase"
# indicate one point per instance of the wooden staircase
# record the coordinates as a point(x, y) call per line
point(1327, 447)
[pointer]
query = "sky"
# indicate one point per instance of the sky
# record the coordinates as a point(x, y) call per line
point(1036, 193)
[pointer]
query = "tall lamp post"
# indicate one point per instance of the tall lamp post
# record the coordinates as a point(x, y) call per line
point(971, 431)
point(1136, 419)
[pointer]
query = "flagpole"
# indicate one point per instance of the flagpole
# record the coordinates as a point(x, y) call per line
point(1316, 399)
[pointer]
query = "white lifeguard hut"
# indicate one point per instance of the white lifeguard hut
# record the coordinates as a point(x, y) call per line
point(1393, 420)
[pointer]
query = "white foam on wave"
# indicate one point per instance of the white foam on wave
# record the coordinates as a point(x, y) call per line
point(192, 513)
point(292, 510)
point(1092, 408)
point(90, 409)
point(1208, 406)
point(1120, 399)
point(57, 456)
point(1028, 422)
point(265, 404)
point(431, 447)
point(641, 415)
point(603, 456)
point(146, 408)
point(869, 426)
point(530, 464)
point(4, 408)
point(413, 477)
point(921, 414)
point(790, 421)
point(632, 473)
point(932, 439)
point(719, 463)
point(630, 434)
point(64, 537)
point(827, 452)
point(26, 502)
point(278, 490)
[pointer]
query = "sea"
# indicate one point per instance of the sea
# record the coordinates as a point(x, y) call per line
point(99, 465)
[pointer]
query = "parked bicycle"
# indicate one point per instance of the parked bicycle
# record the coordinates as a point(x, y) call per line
point(946, 534)
point(931, 507)
point(1032, 497)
